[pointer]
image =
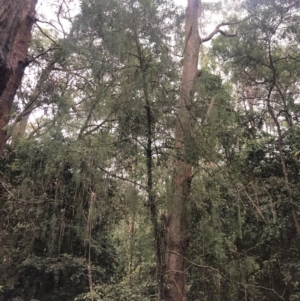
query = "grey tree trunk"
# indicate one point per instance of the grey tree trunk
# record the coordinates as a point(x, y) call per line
point(177, 243)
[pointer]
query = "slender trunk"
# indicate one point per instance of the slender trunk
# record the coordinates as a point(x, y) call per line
point(16, 20)
point(151, 199)
point(131, 245)
point(150, 191)
point(177, 243)
point(210, 108)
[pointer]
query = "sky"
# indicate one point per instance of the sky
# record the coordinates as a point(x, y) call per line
point(180, 2)
point(184, 2)
point(47, 8)
point(44, 5)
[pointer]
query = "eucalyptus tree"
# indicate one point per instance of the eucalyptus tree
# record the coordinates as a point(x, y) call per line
point(186, 155)
point(160, 175)
point(17, 19)
point(137, 76)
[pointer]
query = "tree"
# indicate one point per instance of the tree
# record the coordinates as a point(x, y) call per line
point(186, 155)
point(177, 220)
point(135, 178)
point(264, 65)
point(17, 19)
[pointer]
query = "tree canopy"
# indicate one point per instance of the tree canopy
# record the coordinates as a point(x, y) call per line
point(152, 153)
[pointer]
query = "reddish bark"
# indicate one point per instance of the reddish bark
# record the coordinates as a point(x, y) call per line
point(16, 21)
point(177, 244)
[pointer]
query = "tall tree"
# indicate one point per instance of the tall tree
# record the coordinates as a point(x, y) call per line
point(16, 19)
point(181, 182)
point(186, 154)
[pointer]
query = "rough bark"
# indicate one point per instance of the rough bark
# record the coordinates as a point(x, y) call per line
point(177, 223)
point(16, 21)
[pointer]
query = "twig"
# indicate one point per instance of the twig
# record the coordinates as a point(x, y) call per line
point(46, 35)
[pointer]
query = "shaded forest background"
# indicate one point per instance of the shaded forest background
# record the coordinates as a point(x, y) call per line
point(86, 172)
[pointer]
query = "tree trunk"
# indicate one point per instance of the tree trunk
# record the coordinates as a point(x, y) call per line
point(177, 243)
point(16, 20)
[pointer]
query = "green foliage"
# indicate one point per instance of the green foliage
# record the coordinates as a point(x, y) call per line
point(75, 190)
point(44, 204)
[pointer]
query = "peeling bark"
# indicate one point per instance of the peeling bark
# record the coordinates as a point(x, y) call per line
point(16, 21)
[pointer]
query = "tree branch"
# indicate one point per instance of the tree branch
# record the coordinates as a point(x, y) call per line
point(45, 34)
point(41, 54)
point(218, 30)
